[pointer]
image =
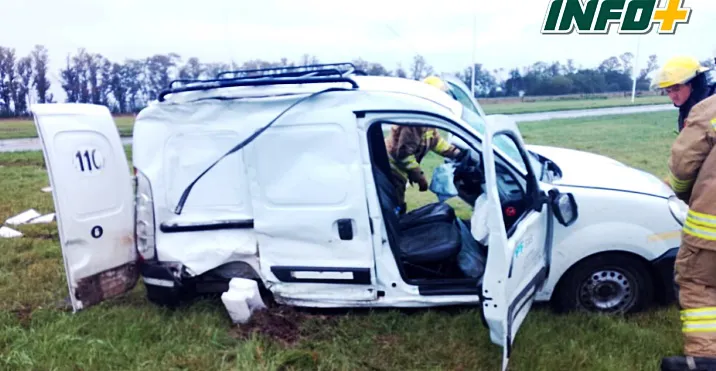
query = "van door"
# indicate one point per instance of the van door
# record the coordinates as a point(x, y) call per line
point(93, 198)
point(520, 230)
point(310, 211)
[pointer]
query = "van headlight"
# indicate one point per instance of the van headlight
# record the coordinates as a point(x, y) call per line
point(678, 209)
point(144, 217)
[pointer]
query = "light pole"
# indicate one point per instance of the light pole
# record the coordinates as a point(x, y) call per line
point(474, 45)
point(634, 69)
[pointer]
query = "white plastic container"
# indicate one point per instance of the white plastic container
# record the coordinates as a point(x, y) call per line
point(242, 299)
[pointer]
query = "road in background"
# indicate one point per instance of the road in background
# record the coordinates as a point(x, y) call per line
point(33, 144)
point(568, 114)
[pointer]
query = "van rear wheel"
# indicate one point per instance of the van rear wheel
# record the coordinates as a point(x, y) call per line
point(610, 283)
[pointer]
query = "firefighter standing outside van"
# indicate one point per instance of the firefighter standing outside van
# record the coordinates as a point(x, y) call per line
point(408, 145)
point(692, 176)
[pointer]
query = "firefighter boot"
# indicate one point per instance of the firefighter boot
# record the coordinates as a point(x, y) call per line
point(688, 363)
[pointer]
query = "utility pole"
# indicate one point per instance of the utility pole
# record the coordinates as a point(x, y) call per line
point(474, 45)
point(634, 69)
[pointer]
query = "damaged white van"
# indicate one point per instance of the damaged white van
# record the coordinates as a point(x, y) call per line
point(282, 176)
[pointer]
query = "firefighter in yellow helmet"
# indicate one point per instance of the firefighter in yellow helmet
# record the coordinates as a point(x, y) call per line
point(408, 145)
point(685, 81)
point(692, 176)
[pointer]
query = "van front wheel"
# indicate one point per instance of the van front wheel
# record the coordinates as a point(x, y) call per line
point(610, 283)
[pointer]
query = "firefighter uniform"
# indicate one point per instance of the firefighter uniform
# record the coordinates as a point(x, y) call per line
point(692, 176)
point(407, 146)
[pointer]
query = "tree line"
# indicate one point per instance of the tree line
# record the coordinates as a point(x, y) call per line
point(127, 86)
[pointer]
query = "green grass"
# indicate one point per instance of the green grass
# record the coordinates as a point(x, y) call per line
point(563, 105)
point(25, 128)
point(129, 333)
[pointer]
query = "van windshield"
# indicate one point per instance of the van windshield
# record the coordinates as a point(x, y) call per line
point(501, 142)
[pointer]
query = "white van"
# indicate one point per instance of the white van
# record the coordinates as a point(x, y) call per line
point(283, 177)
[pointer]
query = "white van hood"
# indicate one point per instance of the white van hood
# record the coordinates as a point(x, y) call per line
point(586, 169)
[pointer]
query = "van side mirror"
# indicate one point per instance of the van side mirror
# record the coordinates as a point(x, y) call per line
point(565, 207)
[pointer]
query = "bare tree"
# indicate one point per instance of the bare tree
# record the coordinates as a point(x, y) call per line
point(24, 72)
point(420, 68)
point(41, 82)
point(4, 85)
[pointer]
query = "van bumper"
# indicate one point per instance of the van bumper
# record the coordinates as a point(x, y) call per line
point(663, 267)
point(163, 282)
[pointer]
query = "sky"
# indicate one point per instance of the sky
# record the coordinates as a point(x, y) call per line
point(506, 32)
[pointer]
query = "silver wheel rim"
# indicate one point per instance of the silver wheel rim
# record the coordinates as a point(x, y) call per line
point(607, 290)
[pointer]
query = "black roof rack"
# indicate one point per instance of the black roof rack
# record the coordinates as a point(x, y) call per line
point(324, 69)
point(310, 74)
point(328, 69)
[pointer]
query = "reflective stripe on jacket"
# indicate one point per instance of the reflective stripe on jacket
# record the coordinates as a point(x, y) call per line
point(408, 145)
point(692, 173)
point(701, 319)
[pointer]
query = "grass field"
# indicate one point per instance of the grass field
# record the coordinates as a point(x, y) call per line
point(560, 105)
point(22, 128)
point(25, 128)
point(132, 334)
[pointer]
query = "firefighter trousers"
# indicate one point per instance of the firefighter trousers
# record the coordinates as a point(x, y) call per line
point(695, 270)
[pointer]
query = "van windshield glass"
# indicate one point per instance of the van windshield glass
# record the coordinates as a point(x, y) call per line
point(463, 98)
point(501, 142)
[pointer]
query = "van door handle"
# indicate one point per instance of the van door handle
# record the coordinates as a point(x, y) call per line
point(345, 229)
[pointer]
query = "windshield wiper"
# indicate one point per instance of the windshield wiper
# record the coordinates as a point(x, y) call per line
point(245, 142)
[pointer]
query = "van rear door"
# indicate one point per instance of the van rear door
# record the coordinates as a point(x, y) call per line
point(93, 197)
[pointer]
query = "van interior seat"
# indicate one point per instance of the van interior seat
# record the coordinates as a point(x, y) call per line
point(427, 235)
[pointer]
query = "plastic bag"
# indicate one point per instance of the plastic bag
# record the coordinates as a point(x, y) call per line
point(442, 182)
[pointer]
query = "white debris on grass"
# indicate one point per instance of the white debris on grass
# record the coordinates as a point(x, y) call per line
point(30, 216)
point(23, 217)
point(6, 232)
point(43, 219)
point(242, 299)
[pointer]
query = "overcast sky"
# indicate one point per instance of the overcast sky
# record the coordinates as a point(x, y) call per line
point(508, 31)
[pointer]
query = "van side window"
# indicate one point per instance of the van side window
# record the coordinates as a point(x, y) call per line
point(515, 197)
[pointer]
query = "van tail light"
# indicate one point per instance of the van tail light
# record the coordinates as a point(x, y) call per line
point(144, 230)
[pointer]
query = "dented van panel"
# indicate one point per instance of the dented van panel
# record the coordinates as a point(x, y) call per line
point(285, 179)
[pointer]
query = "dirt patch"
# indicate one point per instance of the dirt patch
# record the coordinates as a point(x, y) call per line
point(282, 324)
point(387, 341)
point(23, 315)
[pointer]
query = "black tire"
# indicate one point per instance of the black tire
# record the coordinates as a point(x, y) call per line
point(609, 283)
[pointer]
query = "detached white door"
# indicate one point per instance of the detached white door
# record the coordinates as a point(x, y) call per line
point(93, 197)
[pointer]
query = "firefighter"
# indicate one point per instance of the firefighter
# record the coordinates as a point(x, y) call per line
point(407, 146)
point(686, 82)
point(692, 176)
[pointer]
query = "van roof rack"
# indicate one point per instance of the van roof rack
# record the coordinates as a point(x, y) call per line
point(325, 69)
point(310, 74)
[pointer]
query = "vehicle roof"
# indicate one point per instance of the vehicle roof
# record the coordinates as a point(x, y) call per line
point(407, 86)
point(387, 84)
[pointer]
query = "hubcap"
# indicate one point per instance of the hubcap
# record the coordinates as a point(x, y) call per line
point(607, 291)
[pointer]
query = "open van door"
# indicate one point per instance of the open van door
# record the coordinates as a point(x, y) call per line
point(518, 258)
point(93, 198)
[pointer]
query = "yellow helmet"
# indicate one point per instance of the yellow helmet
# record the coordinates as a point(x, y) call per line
point(678, 70)
point(436, 82)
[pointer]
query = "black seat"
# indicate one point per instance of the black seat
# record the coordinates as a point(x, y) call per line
point(430, 213)
point(427, 235)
